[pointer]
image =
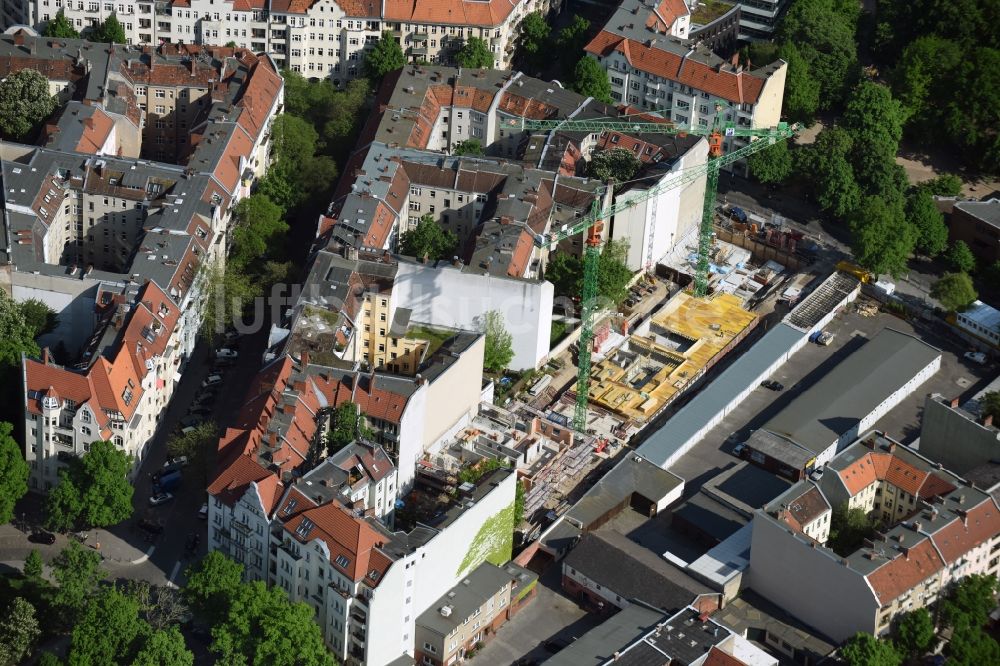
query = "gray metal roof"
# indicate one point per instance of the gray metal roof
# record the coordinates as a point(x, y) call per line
point(599, 645)
point(466, 598)
point(780, 448)
point(818, 417)
point(692, 418)
point(987, 211)
point(631, 475)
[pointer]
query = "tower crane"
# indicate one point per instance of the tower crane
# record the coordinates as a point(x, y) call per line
point(592, 224)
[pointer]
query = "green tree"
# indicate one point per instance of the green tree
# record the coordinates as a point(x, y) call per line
point(863, 649)
point(429, 239)
point(954, 291)
point(109, 31)
point(573, 37)
point(990, 404)
point(771, 165)
point(261, 626)
point(211, 583)
point(48, 659)
point(98, 489)
point(875, 121)
point(923, 214)
point(106, 631)
point(13, 473)
point(224, 295)
point(33, 566)
point(194, 443)
point(960, 257)
point(319, 176)
point(802, 91)
point(945, 185)
point(591, 80)
point(830, 174)
point(18, 631)
point(499, 342)
point(39, 316)
point(260, 229)
point(971, 646)
point(164, 648)
point(472, 147)
point(279, 190)
point(347, 424)
point(60, 27)
point(231, 44)
point(24, 103)
point(78, 572)
point(387, 56)
point(823, 31)
point(294, 143)
point(881, 237)
point(915, 632)
point(475, 54)
point(972, 598)
point(969, 115)
point(920, 73)
point(565, 272)
point(849, 527)
point(518, 503)
point(534, 36)
point(618, 164)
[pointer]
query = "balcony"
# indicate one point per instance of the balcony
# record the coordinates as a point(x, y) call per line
point(418, 50)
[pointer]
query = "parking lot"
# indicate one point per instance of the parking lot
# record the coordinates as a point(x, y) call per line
point(550, 616)
point(957, 377)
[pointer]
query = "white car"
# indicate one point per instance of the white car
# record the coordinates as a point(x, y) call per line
point(212, 380)
point(226, 353)
point(979, 358)
point(180, 461)
point(203, 511)
point(160, 498)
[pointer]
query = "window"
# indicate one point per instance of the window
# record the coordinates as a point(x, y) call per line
point(342, 562)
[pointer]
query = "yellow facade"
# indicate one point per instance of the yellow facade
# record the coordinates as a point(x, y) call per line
point(684, 339)
point(382, 349)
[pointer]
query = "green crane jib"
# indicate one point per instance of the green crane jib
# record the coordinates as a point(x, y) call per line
point(593, 222)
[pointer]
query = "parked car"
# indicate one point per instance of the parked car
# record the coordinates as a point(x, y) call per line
point(773, 385)
point(41, 536)
point(167, 481)
point(160, 498)
point(738, 214)
point(175, 463)
point(212, 380)
point(739, 449)
point(203, 511)
point(226, 353)
point(979, 358)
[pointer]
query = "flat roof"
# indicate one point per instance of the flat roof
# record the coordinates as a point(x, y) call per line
point(600, 644)
point(632, 475)
point(731, 557)
point(985, 315)
point(468, 595)
point(780, 448)
point(818, 417)
point(711, 517)
point(692, 418)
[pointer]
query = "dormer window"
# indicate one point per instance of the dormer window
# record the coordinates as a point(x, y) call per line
point(50, 402)
point(342, 561)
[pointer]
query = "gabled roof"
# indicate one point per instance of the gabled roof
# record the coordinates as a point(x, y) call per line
point(346, 536)
point(905, 571)
point(979, 524)
point(234, 480)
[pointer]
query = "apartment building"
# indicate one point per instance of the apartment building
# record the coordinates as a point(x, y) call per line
point(114, 243)
point(935, 529)
point(467, 615)
point(977, 224)
point(683, 81)
point(319, 38)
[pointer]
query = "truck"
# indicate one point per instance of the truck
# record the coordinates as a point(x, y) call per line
point(167, 481)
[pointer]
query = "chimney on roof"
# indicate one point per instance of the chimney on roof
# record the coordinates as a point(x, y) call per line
point(891, 447)
point(954, 403)
point(988, 420)
point(192, 67)
point(305, 357)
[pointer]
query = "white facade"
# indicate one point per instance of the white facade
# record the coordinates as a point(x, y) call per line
point(455, 298)
point(651, 227)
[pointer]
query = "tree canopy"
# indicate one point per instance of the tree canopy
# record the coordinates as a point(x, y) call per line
point(590, 79)
point(923, 214)
point(960, 257)
point(771, 165)
point(387, 56)
point(954, 291)
point(39, 316)
point(534, 36)
point(224, 296)
point(971, 599)
point(19, 631)
point(472, 147)
point(429, 239)
point(78, 572)
point(60, 27)
point(475, 54)
point(863, 649)
point(16, 335)
point(13, 473)
point(573, 37)
point(25, 103)
point(618, 165)
point(165, 647)
point(882, 239)
point(210, 585)
point(875, 122)
point(106, 630)
point(915, 632)
point(565, 272)
point(194, 443)
point(347, 424)
point(830, 174)
point(499, 343)
point(260, 229)
point(94, 490)
point(109, 31)
point(849, 527)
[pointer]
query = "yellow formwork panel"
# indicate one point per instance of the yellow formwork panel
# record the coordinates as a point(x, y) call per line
point(711, 324)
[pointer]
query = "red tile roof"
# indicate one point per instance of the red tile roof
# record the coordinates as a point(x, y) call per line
point(344, 534)
point(259, 94)
point(96, 130)
point(458, 12)
point(894, 470)
point(742, 87)
point(235, 479)
point(717, 657)
point(903, 573)
point(666, 14)
point(980, 524)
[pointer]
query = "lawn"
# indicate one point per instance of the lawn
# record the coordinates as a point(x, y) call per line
point(434, 336)
point(709, 10)
point(558, 332)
